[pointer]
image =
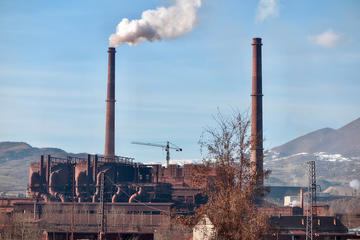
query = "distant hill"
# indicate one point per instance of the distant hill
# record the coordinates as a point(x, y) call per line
point(336, 153)
point(344, 141)
point(15, 158)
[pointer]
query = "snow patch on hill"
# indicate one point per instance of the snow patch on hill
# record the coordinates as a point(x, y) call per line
point(273, 156)
point(323, 156)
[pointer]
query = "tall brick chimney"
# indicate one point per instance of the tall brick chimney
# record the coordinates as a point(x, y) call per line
point(110, 107)
point(256, 150)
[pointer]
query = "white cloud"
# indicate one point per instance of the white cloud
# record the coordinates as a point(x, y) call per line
point(266, 9)
point(327, 39)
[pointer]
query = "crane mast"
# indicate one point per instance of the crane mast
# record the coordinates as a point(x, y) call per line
point(166, 147)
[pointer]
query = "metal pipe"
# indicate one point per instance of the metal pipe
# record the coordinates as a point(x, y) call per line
point(95, 166)
point(41, 172)
point(256, 157)
point(302, 199)
point(88, 170)
point(48, 169)
point(110, 107)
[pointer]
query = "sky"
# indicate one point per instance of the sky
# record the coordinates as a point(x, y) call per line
point(53, 72)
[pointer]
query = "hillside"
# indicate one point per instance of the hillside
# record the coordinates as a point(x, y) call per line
point(344, 141)
point(336, 153)
point(15, 158)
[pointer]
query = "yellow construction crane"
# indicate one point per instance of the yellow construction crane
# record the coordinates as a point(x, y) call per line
point(166, 147)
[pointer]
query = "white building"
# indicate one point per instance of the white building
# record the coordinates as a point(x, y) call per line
point(204, 229)
point(292, 201)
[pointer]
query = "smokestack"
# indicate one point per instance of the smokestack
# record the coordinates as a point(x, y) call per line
point(256, 155)
point(302, 199)
point(110, 108)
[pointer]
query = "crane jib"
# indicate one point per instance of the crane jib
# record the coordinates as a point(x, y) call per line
point(166, 147)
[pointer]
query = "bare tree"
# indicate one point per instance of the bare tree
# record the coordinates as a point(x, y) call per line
point(231, 192)
point(347, 208)
point(22, 227)
point(172, 230)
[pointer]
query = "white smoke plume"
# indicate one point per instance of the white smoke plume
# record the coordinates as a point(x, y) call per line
point(162, 23)
point(266, 9)
point(355, 184)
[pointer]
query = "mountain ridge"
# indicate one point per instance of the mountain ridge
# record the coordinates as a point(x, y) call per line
point(344, 140)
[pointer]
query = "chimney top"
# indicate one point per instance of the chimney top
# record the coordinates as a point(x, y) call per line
point(112, 49)
point(256, 41)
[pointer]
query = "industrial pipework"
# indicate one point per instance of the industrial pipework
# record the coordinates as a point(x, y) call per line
point(110, 108)
point(257, 155)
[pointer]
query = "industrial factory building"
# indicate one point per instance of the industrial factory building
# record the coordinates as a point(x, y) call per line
point(112, 197)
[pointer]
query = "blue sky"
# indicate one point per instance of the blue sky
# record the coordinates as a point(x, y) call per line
point(53, 69)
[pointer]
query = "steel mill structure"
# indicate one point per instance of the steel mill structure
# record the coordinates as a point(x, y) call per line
point(113, 197)
point(53, 179)
point(113, 194)
point(118, 183)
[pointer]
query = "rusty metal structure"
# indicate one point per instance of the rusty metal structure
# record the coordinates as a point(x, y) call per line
point(257, 151)
point(51, 180)
point(107, 195)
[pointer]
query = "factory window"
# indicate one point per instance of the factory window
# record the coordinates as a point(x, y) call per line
point(155, 212)
point(181, 198)
point(189, 199)
point(146, 212)
point(92, 211)
point(133, 212)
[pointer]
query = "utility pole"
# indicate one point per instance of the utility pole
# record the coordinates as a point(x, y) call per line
point(35, 207)
point(311, 201)
point(102, 205)
point(73, 203)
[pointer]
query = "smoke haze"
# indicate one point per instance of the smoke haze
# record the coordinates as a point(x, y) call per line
point(155, 25)
point(266, 9)
point(355, 184)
